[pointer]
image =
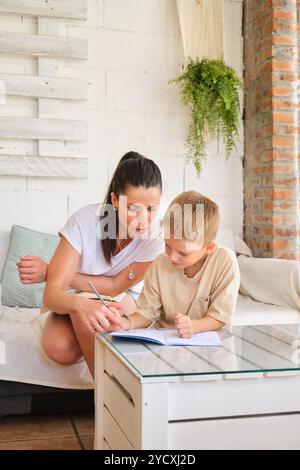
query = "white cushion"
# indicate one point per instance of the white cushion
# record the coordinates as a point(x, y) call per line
point(241, 248)
point(227, 238)
point(250, 312)
point(271, 281)
point(22, 358)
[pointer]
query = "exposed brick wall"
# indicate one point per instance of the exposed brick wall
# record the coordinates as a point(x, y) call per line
point(271, 127)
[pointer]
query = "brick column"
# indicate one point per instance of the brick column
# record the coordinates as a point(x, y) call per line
point(271, 128)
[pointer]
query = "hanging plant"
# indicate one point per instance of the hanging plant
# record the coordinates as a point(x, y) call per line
point(210, 88)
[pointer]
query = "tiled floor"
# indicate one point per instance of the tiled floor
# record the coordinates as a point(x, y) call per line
point(47, 432)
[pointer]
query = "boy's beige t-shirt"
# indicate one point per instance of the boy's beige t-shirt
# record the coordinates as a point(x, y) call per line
point(212, 291)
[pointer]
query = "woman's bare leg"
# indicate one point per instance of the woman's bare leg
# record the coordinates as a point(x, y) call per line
point(59, 340)
point(66, 338)
point(86, 338)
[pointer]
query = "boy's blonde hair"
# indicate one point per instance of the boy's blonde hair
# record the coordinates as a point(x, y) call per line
point(192, 216)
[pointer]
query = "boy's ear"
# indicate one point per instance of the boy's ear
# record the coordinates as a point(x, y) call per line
point(211, 246)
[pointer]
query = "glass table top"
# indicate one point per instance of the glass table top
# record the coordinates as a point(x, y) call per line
point(245, 349)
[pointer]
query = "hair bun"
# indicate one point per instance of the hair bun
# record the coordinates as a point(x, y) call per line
point(130, 156)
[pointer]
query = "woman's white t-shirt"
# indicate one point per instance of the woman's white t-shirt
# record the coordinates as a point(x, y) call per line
point(82, 232)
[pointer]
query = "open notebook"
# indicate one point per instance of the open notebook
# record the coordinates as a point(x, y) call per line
point(170, 337)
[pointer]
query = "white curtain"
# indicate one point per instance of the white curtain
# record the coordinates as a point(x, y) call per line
point(202, 28)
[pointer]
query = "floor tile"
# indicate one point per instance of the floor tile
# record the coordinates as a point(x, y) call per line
point(35, 427)
point(64, 443)
point(87, 442)
point(84, 423)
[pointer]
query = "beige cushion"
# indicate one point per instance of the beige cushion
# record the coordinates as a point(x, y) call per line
point(272, 281)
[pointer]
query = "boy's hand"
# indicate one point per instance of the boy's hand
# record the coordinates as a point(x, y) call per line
point(184, 325)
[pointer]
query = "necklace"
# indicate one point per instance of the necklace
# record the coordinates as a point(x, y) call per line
point(131, 274)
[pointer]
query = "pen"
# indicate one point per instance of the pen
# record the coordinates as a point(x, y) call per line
point(98, 295)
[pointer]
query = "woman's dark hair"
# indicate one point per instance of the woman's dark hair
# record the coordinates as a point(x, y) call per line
point(133, 170)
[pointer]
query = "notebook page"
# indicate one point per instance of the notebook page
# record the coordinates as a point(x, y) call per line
point(170, 337)
point(156, 336)
point(210, 338)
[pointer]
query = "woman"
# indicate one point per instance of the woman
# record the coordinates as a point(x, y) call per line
point(114, 264)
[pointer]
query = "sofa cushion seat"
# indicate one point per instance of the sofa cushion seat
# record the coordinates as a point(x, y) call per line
point(250, 312)
point(22, 358)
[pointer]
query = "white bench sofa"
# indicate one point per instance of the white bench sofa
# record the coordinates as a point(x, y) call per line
point(29, 381)
point(23, 360)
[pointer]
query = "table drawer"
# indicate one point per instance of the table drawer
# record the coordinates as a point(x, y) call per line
point(121, 407)
point(227, 398)
point(115, 368)
point(263, 432)
point(113, 435)
point(105, 445)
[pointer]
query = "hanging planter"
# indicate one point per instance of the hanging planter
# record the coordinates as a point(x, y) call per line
point(210, 88)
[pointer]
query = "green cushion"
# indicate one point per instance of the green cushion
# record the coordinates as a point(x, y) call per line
point(25, 242)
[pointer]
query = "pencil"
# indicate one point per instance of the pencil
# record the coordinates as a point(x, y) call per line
point(98, 295)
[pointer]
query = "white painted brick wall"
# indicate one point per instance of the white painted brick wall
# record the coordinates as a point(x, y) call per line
point(134, 50)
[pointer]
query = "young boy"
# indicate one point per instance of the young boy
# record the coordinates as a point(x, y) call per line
point(195, 284)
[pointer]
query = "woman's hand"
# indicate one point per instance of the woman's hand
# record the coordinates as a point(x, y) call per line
point(184, 325)
point(96, 317)
point(32, 270)
point(116, 321)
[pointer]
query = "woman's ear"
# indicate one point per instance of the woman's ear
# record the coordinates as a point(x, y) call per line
point(114, 199)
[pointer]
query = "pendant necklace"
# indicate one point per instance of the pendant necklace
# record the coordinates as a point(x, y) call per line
point(131, 274)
